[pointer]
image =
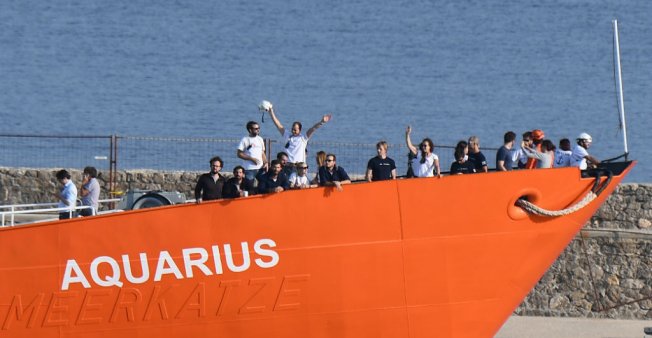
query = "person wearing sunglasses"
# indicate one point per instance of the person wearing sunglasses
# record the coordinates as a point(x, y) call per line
point(299, 179)
point(294, 140)
point(252, 150)
point(332, 175)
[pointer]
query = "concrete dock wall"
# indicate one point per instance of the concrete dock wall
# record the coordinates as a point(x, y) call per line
point(606, 271)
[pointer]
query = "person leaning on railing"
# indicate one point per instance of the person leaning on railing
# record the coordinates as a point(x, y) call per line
point(238, 185)
point(274, 180)
point(332, 175)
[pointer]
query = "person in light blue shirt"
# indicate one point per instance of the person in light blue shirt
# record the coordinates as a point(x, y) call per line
point(67, 195)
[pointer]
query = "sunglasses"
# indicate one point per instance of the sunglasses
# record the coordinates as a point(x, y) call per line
point(330, 160)
point(303, 167)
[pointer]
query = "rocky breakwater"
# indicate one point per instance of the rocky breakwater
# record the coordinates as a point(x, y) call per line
point(22, 186)
point(605, 272)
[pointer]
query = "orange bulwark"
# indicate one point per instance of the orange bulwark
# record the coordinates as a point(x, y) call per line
point(426, 257)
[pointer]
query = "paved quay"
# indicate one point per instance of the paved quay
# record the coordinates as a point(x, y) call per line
point(531, 327)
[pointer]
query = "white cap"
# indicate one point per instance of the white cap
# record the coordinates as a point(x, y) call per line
point(265, 105)
point(585, 136)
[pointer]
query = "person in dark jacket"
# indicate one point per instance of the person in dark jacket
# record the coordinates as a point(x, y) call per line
point(274, 180)
point(210, 185)
point(238, 185)
point(332, 175)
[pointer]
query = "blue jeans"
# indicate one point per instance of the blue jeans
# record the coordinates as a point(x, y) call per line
point(251, 174)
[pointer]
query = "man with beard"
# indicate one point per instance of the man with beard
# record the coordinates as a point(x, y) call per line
point(210, 185)
point(274, 180)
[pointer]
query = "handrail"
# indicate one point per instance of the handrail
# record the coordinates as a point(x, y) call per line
point(12, 212)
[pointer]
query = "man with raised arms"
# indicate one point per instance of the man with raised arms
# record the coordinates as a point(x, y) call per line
point(295, 141)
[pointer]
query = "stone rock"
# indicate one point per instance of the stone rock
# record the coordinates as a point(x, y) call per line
point(558, 302)
point(635, 284)
point(644, 223)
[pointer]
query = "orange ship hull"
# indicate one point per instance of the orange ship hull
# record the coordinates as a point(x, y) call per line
point(407, 258)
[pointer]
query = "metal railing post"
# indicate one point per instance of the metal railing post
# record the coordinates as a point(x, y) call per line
point(113, 168)
point(268, 146)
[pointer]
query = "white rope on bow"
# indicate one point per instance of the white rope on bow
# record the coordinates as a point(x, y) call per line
point(534, 209)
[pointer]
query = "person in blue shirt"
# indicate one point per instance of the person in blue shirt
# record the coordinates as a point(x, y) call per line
point(332, 175)
point(67, 196)
point(274, 180)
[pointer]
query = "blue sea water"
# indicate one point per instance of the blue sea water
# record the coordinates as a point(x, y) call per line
point(450, 69)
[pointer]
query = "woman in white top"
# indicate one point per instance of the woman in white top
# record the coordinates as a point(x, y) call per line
point(426, 163)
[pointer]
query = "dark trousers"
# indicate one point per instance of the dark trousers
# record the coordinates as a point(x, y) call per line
point(65, 215)
point(86, 212)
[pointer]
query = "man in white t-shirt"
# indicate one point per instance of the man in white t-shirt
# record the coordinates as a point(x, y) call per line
point(580, 156)
point(563, 154)
point(295, 142)
point(252, 150)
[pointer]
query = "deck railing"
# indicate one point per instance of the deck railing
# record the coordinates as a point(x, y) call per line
point(40, 212)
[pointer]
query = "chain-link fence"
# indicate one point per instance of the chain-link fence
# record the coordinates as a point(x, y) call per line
point(55, 151)
point(179, 154)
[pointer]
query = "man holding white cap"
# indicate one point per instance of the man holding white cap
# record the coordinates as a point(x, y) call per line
point(580, 156)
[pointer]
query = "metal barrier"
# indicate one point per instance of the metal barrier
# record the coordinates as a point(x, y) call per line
point(108, 153)
point(38, 209)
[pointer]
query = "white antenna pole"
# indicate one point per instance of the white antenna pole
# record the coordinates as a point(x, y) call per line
point(621, 100)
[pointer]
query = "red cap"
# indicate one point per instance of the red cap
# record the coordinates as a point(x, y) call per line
point(537, 134)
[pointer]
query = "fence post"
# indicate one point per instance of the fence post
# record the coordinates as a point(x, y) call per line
point(113, 168)
point(268, 146)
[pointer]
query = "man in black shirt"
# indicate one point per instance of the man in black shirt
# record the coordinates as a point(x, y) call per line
point(476, 156)
point(461, 166)
point(209, 186)
point(238, 185)
point(381, 167)
point(274, 180)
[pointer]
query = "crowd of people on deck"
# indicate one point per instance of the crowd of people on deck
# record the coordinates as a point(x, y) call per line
point(289, 170)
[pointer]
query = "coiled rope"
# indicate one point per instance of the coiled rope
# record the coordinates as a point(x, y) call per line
point(590, 196)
